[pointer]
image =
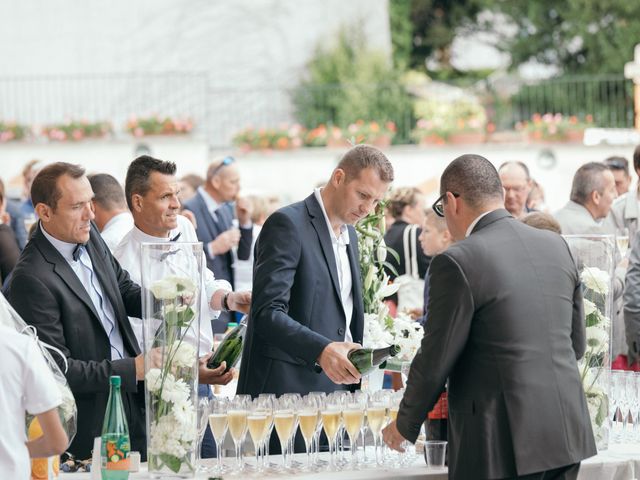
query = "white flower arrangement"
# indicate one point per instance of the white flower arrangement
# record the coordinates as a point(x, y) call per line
point(171, 406)
point(380, 329)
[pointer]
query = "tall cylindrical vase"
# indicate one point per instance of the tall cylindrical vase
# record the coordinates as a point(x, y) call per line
point(172, 276)
point(595, 258)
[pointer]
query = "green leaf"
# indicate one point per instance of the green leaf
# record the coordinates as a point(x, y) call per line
point(172, 462)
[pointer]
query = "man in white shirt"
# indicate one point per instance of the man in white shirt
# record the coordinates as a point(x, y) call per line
point(113, 218)
point(33, 390)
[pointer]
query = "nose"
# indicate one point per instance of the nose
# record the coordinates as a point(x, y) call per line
point(88, 211)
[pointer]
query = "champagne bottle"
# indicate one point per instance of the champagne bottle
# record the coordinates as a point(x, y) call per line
point(115, 444)
point(367, 359)
point(230, 348)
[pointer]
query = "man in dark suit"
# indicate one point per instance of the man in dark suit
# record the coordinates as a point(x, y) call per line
point(68, 285)
point(307, 306)
point(214, 214)
point(506, 325)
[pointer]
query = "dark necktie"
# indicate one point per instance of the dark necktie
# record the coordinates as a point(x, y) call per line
point(176, 237)
point(77, 252)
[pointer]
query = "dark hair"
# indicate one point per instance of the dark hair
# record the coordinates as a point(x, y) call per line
point(363, 156)
point(617, 163)
point(636, 158)
point(139, 173)
point(543, 221)
point(107, 191)
point(400, 198)
point(474, 178)
point(588, 178)
point(44, 188)
point(518, 163)
point(1, 192)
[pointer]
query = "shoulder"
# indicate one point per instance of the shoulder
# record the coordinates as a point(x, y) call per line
point(194, 202)
point(185, 227)
point(121, 249)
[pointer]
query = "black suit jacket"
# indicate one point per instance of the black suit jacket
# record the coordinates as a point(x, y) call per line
point(505, 324)
point(296, 309)
point(394, 239)
point(47, 293)
point(209, 228)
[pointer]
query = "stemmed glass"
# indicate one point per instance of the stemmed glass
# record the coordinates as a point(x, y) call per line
point(331, 419)
point(258, 420)
point(319, 397)
point(237, 420)
point(202, 420)
point(294, 398)
point(618, 405)
point(218, 423)
point(353, 417)
point(377, 418)
point(284, 421)
point(364, 398)
point(622, 241)
point(308, 420)
point(268, 400)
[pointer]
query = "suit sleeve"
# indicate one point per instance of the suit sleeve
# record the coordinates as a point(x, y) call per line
point(450, 312)
point(632, 301)
point(246, 239)
point(38, 307)
point(277, 257)
point(129, 290)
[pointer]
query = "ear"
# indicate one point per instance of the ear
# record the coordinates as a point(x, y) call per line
point(595, 197)
point(338, 177)
point(453, 202)
point(43, 212)
point(136, 202)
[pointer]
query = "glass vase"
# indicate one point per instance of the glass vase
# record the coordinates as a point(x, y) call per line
point(595, 258)
point(172, 276)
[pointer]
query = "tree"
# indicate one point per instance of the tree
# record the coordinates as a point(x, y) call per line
point(577, 36)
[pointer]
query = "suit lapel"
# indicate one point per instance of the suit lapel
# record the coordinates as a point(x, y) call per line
point(207, 222)
point(320, 225)
point(357, 319)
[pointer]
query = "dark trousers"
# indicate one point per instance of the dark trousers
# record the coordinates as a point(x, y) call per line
point(208, 446)
point(568, 472)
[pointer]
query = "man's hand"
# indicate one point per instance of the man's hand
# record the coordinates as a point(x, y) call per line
point(414, 313)
point(244, 210)
point(392, 437)
point(225, 241)
point(239, 301)
point(214, 376)
point(336, 365)
point(155, 359)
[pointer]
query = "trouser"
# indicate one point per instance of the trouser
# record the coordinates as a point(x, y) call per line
point(568, 472)
point(208, 446)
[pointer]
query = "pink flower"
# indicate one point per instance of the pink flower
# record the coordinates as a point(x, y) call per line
point(77, 134)
point(138, 132)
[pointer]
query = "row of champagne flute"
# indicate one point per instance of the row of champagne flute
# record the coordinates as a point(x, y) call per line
point(624, 409)
point(334, 414)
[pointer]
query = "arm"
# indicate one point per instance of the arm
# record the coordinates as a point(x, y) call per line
point(54, 439)
point(84, 376)
point(451, 310)
point(277, 256)
point(129, 290)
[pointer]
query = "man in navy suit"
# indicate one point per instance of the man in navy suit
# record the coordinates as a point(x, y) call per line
point(307, 308)
point(214, 212)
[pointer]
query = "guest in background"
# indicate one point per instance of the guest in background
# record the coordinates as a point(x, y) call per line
point(542, 220)
point(22, 213)
point(189, 185)
point(9, 250)
point(536, 199)
point(28, 387)
point(619, 166)
point(506, 325)
point(112, 216)
point(624, 211)
point(517, 185)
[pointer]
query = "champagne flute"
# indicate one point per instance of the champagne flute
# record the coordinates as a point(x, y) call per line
point(268, 401)
point(294, 398)
point(218, 424)
point(202, 420)
point(353, 416)
point(331, 418)
point(237, 424)
point(308, 421)
point(283, 419)
point(319, 398)
point(257, 423)
point(376, 417)
point(363, 396)
point(622, 241)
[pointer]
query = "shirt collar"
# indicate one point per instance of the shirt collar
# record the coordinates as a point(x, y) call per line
point(64, 248)
point(475, 222)
point(211, 204)
point(115, 219)
point(141, 237)
point(344, 232)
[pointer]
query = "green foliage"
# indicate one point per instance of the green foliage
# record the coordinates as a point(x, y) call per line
point(401, 32)
point(348, 82)
point(578, 36)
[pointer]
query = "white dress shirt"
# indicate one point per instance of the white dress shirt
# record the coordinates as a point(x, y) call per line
point(339, 245)
point(115, 229)
point(128, 254)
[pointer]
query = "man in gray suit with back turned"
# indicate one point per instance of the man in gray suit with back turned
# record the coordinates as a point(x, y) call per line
point(506, 325)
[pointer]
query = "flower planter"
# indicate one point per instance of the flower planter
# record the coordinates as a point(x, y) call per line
point(171, 280)
point(574, 136)
point(431, 140)
point(381, 142)
point(338, 142)
point(466, 138)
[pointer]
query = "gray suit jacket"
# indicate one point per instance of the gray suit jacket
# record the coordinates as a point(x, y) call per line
point(506, 324)
point(296, 309)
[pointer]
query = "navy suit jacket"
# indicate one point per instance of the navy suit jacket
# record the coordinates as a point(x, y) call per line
point(209, 228)
point(47, 294)
point(296, 309)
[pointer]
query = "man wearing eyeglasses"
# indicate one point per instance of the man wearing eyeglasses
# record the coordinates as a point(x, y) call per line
point(215, 212)
point(505, 326)
point(626, 209)
point(517, 184)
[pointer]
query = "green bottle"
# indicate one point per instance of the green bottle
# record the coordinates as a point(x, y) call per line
point(367, 359)
point(115, 446)
point(230, 348)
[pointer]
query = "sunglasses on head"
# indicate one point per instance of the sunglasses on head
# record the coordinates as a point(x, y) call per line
point(225, 162)
point(438, 205)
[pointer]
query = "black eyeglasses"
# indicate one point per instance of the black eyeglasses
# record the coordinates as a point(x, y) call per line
point(616, 164)
point(438, 205)
point(225, 162)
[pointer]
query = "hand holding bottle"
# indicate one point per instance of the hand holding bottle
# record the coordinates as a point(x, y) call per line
point(336, 364)
point(213, 376)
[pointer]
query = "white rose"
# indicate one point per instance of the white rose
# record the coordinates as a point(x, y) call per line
point(176, 392)
point(184, 354)
point(589, 307)
point(153, 379)
point(595, 279)
point(164, 290)
point(597, 337)
point(185, 413)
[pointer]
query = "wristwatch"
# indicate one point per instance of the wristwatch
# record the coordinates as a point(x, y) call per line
point(225, 303)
